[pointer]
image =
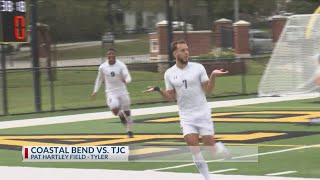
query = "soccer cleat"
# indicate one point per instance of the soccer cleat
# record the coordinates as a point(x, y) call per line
point(222, 149)
point(130, 134)
point(226, 154)
point(314, 120)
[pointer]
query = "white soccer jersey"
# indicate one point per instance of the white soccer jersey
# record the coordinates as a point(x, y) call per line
point(191, 99)
point(113, 76)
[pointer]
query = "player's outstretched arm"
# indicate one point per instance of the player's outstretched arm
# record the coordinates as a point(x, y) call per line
point(210, 84)
point(97, 83)
point(219, 72)
point(170, 95)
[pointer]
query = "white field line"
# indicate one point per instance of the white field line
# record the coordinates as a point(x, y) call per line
point(224, 170)
point(239, 157)
point(281, 173)
point(141, 111)
point(32, 173)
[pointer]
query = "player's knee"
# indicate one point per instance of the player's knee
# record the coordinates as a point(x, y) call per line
point(115, 111)
point(128, 113)
point(208, 140)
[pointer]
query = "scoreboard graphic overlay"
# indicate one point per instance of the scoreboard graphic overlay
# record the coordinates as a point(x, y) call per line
point(13, 23)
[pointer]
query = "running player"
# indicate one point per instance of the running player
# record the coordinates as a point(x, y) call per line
point(187, 82)
point(115, 75)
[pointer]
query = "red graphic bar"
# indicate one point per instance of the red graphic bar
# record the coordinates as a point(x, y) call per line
point(26, 155)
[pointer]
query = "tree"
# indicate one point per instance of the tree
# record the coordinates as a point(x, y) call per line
point(73, 20)
point(140, 6)
point(303, 7)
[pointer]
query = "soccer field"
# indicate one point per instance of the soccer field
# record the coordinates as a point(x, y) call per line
point(287, 143)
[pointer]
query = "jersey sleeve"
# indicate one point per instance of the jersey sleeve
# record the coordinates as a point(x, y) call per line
point(203, 74)
point(169, 85)
point(126, 74)
point(98, 81)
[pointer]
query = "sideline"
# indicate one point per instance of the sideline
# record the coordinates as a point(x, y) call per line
point(239, 157)
point(28, 173)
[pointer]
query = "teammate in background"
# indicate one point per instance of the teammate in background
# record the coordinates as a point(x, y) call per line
point(115, 75)
point(187, 82)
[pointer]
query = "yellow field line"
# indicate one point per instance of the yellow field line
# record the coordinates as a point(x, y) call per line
point(273, 107)
point(235, 144)
point(264, 145)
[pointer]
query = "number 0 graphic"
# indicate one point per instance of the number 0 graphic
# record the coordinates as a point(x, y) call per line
point(19, 27)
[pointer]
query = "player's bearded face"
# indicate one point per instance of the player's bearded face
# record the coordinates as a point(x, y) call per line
point(182, 53)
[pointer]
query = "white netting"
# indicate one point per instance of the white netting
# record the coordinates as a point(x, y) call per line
point(295, 58)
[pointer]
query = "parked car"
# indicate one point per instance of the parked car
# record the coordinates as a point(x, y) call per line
point(108, 37)
point(260, 41)
point(11, 48)
point(180, 25)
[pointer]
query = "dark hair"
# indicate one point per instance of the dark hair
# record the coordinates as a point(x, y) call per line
point(112, 49)
point(174, 44)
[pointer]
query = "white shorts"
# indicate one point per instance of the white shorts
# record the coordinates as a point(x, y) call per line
point(201, 129)
point(119, 101)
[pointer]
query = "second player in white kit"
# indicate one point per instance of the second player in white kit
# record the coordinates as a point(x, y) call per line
point(115, 75)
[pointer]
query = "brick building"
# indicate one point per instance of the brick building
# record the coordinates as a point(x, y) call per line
point(200, 42)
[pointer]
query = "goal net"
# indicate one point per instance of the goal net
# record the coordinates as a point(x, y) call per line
point(295, 60)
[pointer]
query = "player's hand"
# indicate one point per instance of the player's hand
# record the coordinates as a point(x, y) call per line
point(317, 80)
point(93, 96)
point(219, 72)
point(151, 89)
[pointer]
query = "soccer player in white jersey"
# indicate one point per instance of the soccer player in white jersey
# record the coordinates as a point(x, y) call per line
point(188, 82)
point(115, 75)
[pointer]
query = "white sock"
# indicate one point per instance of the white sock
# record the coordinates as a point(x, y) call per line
point(219, 147)
point(128, 119)
point(202, 165)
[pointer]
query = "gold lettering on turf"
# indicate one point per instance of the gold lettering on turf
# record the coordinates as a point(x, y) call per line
point(287, 117)
point(98, 140)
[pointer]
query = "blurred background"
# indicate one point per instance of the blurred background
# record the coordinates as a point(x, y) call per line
point(56, 71)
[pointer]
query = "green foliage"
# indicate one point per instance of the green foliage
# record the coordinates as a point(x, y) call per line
point(140, 5)
point(303, 7)
point(71, 20)
point(247, 8)
point(80, 20)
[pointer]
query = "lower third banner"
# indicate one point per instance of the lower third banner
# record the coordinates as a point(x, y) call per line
point(75, 153)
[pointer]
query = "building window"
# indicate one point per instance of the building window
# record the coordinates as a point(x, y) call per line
point(154, 46)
